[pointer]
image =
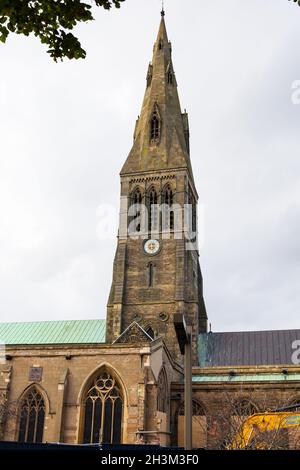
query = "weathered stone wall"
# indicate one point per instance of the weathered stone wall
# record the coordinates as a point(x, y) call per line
point(177, 285)
point(67, 375)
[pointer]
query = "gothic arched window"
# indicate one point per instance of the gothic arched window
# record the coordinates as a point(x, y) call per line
point(155, 128)
point(199, 426)
point(244, 408)
point(103, 411)
point(137, 201)
point(137, 197)
point(197, 409)
point(168, 215)
point(168, 196)
point(152, 210)
point(32, 417)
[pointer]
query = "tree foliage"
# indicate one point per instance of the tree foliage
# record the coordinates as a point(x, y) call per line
point(51, 21)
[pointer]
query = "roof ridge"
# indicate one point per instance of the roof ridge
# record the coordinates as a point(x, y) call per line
point(250, 331)
point(50, 321)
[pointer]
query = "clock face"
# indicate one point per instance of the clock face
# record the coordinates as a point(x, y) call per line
point(151, 247)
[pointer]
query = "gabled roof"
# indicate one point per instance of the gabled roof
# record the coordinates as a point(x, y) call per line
point(134, 333)
point(53, 332)
point(247, 348)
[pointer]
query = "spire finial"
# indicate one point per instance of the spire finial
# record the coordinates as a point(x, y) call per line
point(162, 8)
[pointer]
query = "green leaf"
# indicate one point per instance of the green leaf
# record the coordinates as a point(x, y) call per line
point(3, 33)
point(51, 21)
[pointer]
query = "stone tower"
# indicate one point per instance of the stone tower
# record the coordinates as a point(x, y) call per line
point(156, 268)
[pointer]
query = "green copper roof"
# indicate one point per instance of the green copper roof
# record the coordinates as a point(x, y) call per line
point(275, 377)
point(53, 332)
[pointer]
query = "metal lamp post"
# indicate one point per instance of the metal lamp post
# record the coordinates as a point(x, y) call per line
point(184, 334)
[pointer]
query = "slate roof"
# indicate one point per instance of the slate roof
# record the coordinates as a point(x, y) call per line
point(53, 332)
point(247, 348)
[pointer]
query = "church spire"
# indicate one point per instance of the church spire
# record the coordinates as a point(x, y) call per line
point(162, 32)
point(161, 136)
point(156, 269)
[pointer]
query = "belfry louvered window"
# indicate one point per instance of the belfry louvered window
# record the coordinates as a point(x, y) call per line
point(103, 411)
point(152, 211)
point(32, 417)
point(137, 201)
point(168, 214)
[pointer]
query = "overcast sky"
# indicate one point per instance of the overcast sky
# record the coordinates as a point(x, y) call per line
point(67, 128)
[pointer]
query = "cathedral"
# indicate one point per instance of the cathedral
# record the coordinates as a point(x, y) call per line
point(121, 380)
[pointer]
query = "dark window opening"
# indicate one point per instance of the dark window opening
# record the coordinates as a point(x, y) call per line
point(103, 410)
point(169, 212)
point(137, 201)
point(137, 198)
point(152, 211)
point(32, 417)
point(171, 220)
point(151, 269)
point(155, 128)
